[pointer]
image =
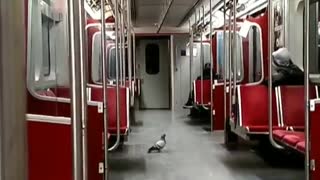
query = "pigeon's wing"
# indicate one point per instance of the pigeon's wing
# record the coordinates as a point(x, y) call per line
point(160, 144)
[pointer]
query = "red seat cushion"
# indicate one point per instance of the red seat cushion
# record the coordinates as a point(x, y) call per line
point(123, 130)
point(259, 129)
point(279, 134)
point(301, 146)
point(293, 138)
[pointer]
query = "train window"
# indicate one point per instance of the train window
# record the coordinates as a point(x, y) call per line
point(46, 55)
point(220, 56)
point(96, 58)
point(152, 58)
point(254, 53)
point(314, 43)
point(112, 63)
point(47, 63)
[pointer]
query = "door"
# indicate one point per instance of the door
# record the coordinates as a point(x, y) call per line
point(153, 62)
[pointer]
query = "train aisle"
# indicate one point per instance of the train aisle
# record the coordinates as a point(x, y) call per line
point(191, 154)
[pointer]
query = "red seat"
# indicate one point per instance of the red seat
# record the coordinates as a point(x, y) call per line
point(206, 92)
point(293, 113)
point(301, 146)
point(279, 134)
point(253, 108)
point(218, 102)
point(113, 131)
point(292, 116)
point(262, 129)
point(97, 95)
point(62, 91)
point(293, 139)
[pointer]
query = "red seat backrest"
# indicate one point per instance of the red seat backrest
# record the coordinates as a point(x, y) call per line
point(218, 102)
point(96, 95)
point(292, 101)
point(206, 92)
point(253, 103)
point(112, 107)
point(63, 92)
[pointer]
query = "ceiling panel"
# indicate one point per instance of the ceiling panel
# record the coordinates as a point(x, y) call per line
point(148, 12)
point(176, 14)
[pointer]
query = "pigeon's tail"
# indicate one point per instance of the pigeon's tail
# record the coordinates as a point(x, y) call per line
point(153, 148)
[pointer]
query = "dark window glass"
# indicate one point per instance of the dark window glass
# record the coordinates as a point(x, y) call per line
point(46, 26)
point(112, 63)
point(152, 59)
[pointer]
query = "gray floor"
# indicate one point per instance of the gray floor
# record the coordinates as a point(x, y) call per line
point(191, 154)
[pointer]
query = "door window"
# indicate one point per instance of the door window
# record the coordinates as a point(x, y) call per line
point(152, 59)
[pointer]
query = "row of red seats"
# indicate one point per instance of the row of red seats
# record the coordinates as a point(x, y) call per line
point(293, 114)
point(288, 113)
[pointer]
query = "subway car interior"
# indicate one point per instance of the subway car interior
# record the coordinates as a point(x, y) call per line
point(159, 90)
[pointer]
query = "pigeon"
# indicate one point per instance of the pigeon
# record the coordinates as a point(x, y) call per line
point(159, 145)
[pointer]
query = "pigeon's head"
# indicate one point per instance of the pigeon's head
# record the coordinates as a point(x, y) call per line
point(163, 136)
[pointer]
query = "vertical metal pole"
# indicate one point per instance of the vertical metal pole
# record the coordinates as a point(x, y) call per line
point(105, 89)
point(201, 53)
point(172, 54)
point(115, 146)
point(211, 71)
point(195, 27)
point(13, 130)
point(83, 64)
point(134, 57)
point(225, 68)
point(75, 79)
point(191, 56)
point(306, 85)
point(120, 45)
point(234, 49)
point(229, 64)
point(129, 49)
point(270, 90)
point(123, 44)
